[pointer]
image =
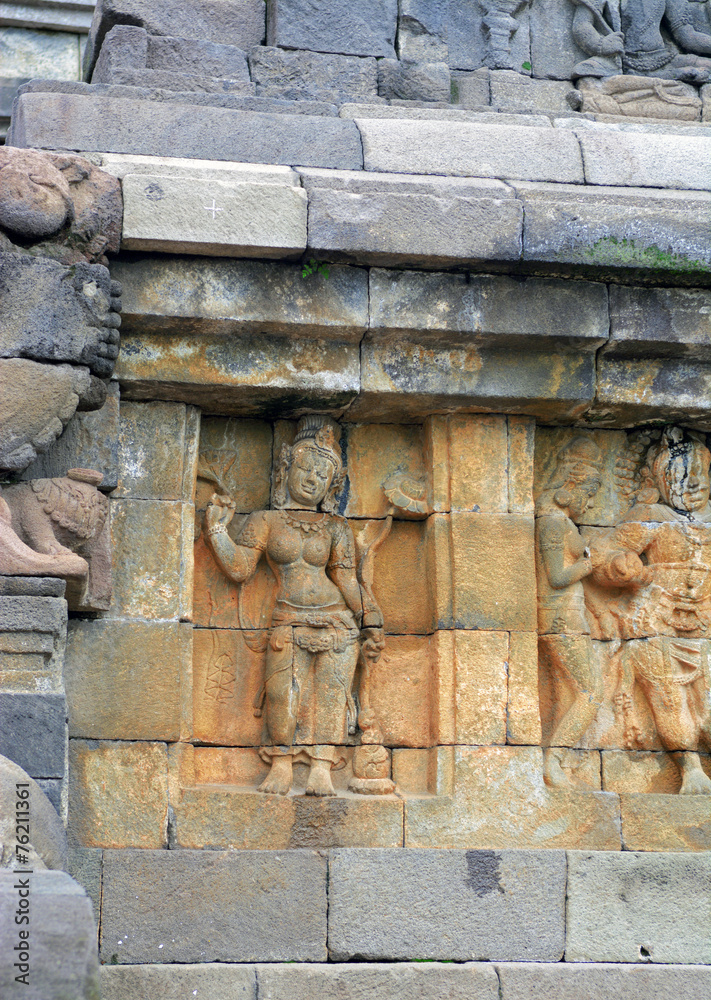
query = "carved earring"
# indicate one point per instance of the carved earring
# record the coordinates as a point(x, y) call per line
point(563, 497)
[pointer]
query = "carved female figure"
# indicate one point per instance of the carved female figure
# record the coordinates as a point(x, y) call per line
point(563, 561)
point(321, 615)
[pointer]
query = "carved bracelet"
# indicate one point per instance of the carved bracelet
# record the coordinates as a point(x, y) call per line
point(216, 529)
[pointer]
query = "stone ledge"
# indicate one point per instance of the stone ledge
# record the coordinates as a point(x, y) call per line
point(564, 981)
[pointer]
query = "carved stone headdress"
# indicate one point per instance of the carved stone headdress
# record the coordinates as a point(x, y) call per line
point(579, 460)
point(321, 435)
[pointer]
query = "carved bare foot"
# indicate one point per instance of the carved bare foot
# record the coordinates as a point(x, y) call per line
point(553, 773)
point(319, 782)
point(278, 781)
point(694, 781)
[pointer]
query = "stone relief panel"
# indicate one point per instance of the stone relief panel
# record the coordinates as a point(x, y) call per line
point(622, 534)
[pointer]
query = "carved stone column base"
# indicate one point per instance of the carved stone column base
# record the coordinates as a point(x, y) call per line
point(372, 786)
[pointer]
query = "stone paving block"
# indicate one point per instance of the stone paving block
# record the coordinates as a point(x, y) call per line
point(84, 866)
point(629, 907)
point(666, 822)
point(468, 150)
point(364, 29)
point(530, 981)
point(60, 959)
point(394, 219)
point(512, 91)
point(118, 794)
point(156, 445)
point(248, 906)
point(638, 160)
point(471, 981)
point(414, 81)
point(667, 322)
point(90, 441)
point(422, 30)
point(616, 227)
point(70, 121)
point(242, 297)
point(213, 217)
point(176, 982)
point(152, 546)
point(241, 24)
point(462, 905)
point(124, 679)
point(24, 52)
point(311, 76)
point(33, 732)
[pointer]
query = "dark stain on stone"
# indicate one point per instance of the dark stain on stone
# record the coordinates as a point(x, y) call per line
point(318, 822)
point(483, 874)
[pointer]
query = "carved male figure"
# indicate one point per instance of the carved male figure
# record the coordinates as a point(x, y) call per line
point(321, 615)
point(661, 554)
point(562, 562)
point(645, 49)
point(597, 30)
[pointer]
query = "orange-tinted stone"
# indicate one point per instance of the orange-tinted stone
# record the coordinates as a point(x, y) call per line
point(637, 771)
point(523, 717)
point(521, 441)
point(374, 452)
point(478, 462)
point(402, 691)
point(227, 676)
point(666, 822)
point(480, 664)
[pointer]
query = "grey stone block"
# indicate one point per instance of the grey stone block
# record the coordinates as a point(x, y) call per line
point(617, 228)
point(242, 298)
point(243, 906)
point(471, 89)
point(413, 81)
point(176, 982)
point(554, 52)
point(33, 614)
point(311, 76)
point(180, 82)
point(637, 160)
point(74, 122)
point(52, 788)
point(461, 905)
point(8, 89)
point(393, 980)
point(84, 865)
point(530, 981)
point(32, 586)
point(383, 218)
point(514, 92)
point(33, 732)
point(637, 390)
point(632, 907)
point(364, 29)
point(469, 150)
point(62, 944)
point(467, 37)
point(422, 30)
point(125, 47)
point(90, 441)
point(197, 56)
point(74, 17)
point(224, 21)
point(659, 322)
point(439, 113)
point(491, 309)
point(47, 837)
point(30, 53)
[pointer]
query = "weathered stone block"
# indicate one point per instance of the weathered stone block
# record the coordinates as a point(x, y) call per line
point(62, 947)
point(388, 218)
point(28, 53)
point(163, 129)
point(173, 982)
point(241, 24)
point(460, 904)
point(152, 544)
point(90, 441)
point(639, 771)
point(668, 322)
point(521, 444)
point(478, 460)
point(215, 906)
point(468, 150)
point(480, 694)
point(512, 91)
point(157, 447)
point(124, 679)
point(48, 841)
point(118, 794)
point(351, 982)
point(227, 677)
point(52, 788)
point(564, 981)
point(469, 46)
point(311, 76)
point(422, 30)
point(471, 90)
point(414, 81)
point(33, 732)
point(243, 297)
point(33, 630)
point(633, 159)
point(84, 866)
point(374, 452)
point(400, 572)
point(634, 390)
point(666, 822)
point(213, 217)
point(523, 714)
point(403, 691)
point(616, 227)
point(626, 907)
point(367, 29)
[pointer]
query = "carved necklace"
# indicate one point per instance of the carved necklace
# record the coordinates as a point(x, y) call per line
point(305, 526)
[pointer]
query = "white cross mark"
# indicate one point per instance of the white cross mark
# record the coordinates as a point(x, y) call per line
point(212, 208)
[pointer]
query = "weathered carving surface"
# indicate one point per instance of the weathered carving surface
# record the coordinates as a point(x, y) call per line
point(646, 50)
point(597, 30)
point(500, 25)
point(320, 618)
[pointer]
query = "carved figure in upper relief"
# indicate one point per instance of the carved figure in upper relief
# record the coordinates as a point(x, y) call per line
point(562, 562)
point(323, 618)
point(597, 29)
point(660, 555)
point(647, 53)
point(500, 25)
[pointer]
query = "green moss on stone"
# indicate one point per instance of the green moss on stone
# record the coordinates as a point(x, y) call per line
point(627, 253)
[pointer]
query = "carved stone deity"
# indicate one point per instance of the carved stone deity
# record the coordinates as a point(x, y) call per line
point(660, 557)
point(647, 53)
point(597, 30)
point(323, 619)
point(563, 561)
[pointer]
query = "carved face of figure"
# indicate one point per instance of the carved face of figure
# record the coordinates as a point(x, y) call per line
point(579, 497)
point(683, 481)
point(310, 476)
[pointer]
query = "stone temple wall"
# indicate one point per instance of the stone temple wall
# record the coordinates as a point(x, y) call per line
point(355, 599)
